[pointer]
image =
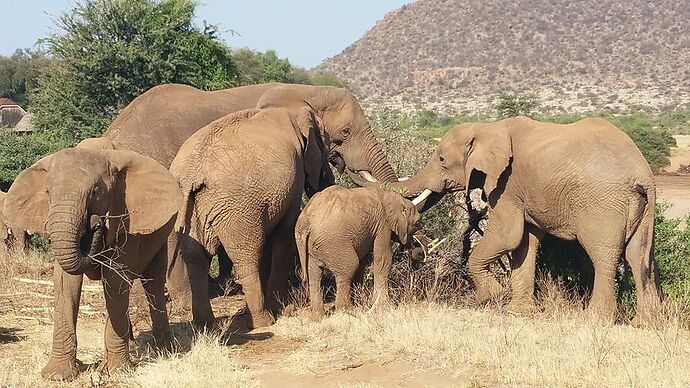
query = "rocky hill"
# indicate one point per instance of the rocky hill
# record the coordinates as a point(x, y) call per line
point(458, 55)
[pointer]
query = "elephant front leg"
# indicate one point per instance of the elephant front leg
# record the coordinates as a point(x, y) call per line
point(383, 261)
point(154, 285)
point(117, 328)
point(63, 364)
point(523, 266)
point(504, 232)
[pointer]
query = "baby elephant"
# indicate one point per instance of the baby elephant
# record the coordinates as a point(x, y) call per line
point(339, 227)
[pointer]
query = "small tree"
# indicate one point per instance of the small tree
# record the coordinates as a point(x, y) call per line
point(110, 51)
point(512, 105)
point(19, 74)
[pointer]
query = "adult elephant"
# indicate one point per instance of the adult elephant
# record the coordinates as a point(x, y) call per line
point(243, 177)
point(11, 236)
point(585, 181)
point(108, 215)
point(158, 122)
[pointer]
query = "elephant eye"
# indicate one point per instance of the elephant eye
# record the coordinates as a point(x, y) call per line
point(442, 159)
point(345, 132)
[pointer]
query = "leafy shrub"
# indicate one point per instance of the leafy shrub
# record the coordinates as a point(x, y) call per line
point(110, 51)
point(19, 153)
point(512, 105)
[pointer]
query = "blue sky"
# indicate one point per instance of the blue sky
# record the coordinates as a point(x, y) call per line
point(305, 31)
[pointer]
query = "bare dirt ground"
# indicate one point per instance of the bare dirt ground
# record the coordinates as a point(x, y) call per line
point(412, 345)
point(675, 189)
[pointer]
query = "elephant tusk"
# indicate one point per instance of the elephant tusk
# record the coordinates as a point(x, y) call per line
point(9, 231)
point(421, 197)
point(403, 179)
point(367, 176)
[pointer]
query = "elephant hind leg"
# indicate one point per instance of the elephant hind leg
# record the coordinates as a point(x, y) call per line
point(605, 250)
point(246, 257)
point(315, 292)
point(344, 274)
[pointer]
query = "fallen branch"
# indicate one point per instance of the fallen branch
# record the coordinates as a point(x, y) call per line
point(32, 318)
point(85, 287)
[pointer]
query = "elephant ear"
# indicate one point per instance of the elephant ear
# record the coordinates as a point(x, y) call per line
point(26, 202)
point(489, 151)
point(315, 157)
point(144, 190)
point(399, 215)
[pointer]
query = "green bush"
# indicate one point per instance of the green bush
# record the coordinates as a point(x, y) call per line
point(110, 51)
point(19, 153)
point(512, 105)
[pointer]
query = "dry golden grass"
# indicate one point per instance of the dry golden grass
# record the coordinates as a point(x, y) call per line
point(557, 346)
point(417, 342)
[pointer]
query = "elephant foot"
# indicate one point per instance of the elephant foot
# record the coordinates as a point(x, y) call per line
point(522, 306)
point(62, 369)
point(116, 362)
point(317, 315)
point(602, 314)
point(261, 319)
point(488, 293)
point(164, 341)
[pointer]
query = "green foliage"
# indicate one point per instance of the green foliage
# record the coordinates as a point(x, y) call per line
point(259, 67)
point(672, 253)
point(512, 105)
point(19, 153)
point(110, 51)
point(655, 144)
point(19, 74)
point(327, 79)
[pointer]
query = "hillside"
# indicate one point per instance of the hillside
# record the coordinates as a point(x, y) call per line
point(457, 55)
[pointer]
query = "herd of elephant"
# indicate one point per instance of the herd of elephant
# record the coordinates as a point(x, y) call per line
point(182, 175)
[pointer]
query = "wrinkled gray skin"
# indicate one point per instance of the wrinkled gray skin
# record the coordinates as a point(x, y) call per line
point(243, 177)
point(585, 181)
point(115, 206)
point(339, 227)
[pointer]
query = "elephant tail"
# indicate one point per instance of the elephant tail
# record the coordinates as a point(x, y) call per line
point(302, 239)
point(640, 245)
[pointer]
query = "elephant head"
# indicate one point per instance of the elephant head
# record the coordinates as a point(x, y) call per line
point(469, 156)
point(318, 174)
point(96, 143)
point(402, 217)
point(352, 145)
point(67, 195)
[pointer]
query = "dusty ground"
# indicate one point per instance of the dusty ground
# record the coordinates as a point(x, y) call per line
point(414, 344)
point(675, 189)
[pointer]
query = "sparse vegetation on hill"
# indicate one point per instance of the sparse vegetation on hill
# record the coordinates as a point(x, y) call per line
point(457, 56)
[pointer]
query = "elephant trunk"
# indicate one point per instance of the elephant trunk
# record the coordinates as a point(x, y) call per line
point(66, 231)
point(377, 160)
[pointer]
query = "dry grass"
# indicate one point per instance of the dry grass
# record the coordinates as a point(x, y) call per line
point(560, 348)
point(427, 342)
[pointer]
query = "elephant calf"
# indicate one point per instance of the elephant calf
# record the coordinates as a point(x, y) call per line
point(339, 227)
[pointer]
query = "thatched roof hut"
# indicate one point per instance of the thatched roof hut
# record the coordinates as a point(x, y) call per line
point(10, 113)
point(24, 126)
